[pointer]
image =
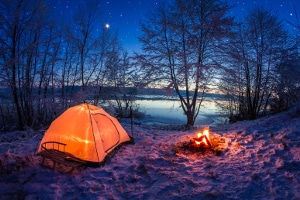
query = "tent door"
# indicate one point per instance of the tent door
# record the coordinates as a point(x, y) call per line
point(108, 132)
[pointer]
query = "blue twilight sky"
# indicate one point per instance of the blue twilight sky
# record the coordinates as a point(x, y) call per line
point(124, 15)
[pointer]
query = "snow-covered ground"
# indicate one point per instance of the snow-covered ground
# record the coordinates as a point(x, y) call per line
point(262, 161)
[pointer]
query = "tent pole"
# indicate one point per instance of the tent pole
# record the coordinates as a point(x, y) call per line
point(131, 123)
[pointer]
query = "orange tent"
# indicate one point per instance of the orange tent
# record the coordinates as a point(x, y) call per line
point(88, 131)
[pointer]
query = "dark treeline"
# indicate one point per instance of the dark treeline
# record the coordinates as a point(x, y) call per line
point(188, 47)
point(40, 53)
point(262, 72)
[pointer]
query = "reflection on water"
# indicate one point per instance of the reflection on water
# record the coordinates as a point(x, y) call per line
point(170, 112)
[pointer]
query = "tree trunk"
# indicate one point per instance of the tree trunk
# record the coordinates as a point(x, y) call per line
point(190, 118)
point(14, 81)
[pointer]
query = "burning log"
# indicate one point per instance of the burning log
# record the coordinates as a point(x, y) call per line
point(202, 139)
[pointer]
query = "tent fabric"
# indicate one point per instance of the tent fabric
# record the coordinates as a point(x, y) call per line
point(88, 131)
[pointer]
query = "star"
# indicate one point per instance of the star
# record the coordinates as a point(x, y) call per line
point(107, 25)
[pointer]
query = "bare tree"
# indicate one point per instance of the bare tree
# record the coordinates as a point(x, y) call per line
point(110, 51)
point(179, 41)
point(120, 80)
point(250, 78)
point(91, 45)
point(49, 63)
point(84, 35)
point(287, 82)
point(21, 27)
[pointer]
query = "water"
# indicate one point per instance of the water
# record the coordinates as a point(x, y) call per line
point(169, 112)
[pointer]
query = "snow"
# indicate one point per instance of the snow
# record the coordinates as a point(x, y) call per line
point(262, 161)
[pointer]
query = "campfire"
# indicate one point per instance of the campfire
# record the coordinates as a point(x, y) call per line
point(202, 139)
point(202, 142)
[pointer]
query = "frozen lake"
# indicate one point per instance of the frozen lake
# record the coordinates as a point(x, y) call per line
point(169, 111)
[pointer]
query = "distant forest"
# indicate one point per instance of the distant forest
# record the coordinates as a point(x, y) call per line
point(189, 49)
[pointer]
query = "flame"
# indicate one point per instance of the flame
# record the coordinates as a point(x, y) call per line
point(204, 139)
point(199, 135)
point(206, 132)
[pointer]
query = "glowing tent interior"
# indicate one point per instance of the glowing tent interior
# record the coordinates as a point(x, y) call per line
point(88, 132)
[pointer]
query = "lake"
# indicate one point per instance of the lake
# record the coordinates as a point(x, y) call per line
point(168, 111)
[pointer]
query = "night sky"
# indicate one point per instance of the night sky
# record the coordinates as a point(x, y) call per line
point(123, 16)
